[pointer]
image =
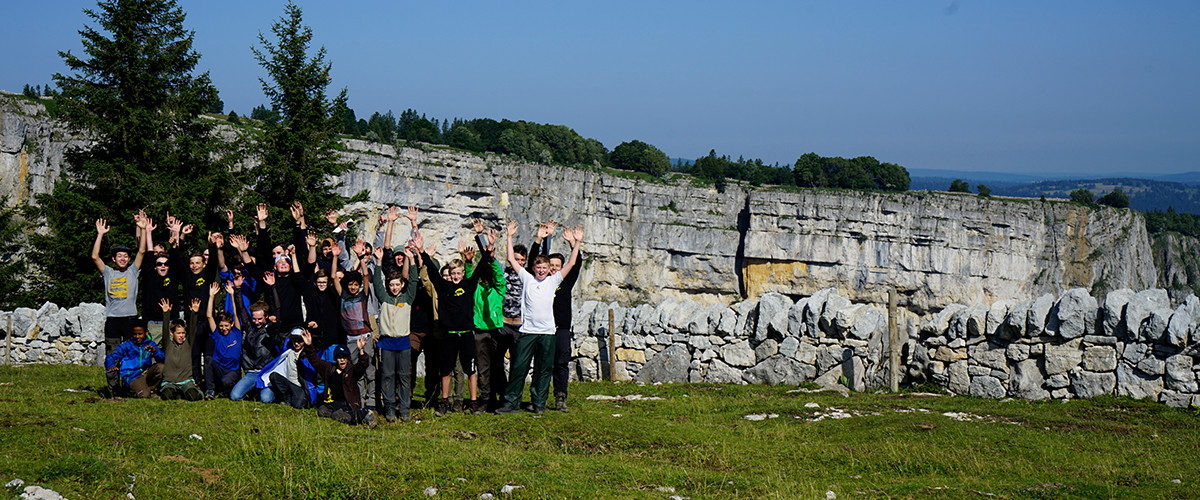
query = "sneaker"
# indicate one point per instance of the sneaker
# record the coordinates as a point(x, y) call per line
point(169, 392)
point(443, 407)
point(560, 402)
point(457, 405)
point(371, 420)
point(389, 414)
point(405, 417)
point(476, 407)
point(538, 410)
point(506, 410)
point(192, 394)
point(208, 396)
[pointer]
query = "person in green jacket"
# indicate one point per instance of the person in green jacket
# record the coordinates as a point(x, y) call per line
point(490, 341)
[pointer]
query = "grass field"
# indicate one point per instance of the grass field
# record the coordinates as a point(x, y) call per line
point(695, 442)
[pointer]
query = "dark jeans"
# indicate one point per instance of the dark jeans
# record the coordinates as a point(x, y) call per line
point(342, 413)
point(220, 380)
point(287, 392)
point(491, 345)
point(424, 342)
point(562, 358)
point(529, 347)
point(366, 385)
point(117, 330)
point(394, 371)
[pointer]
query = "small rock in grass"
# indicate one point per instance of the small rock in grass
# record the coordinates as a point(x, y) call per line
point(508, 488)
point(430, 491)
point(461, 479)
point(196, 437)
point(811, 405)
point(1176, 481)
point(40, 493)
point(666, 489)
point(830, 495)
point(486, 496)
point(15, 483)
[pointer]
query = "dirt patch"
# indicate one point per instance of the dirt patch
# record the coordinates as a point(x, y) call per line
point(462, 435)
point(209, 476)
point(176, 458)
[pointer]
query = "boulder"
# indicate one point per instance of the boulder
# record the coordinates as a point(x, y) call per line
point(859, 321)
point(779, 370)
point(1076, 313)
point(1035, 322)
point(721, 373)
point(670, 365)
point(976, 320)
point(939, 323)
point(765, 350)
point(681, 316)
point(959, 381)
point(1062, 358)
point(747, 311)
point(1137, 385)
point(1154, 329)
point(812, 312)
point(986, 386)
point(1087, 384)
point(90, 322)
point(1178, 374)
point(1027, 380)
point(728, 322)
point(1114, 311)
point(833, 304)
point(1100, 358)
point(1141, 305)
point(1179, 327)
point(806, 353)
point(789, 346)
point(796, 326)
point(738, 354)
point(1015, 321)
point(995, 317)
point(773, 309)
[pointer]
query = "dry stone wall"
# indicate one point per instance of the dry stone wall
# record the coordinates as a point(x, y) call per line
point(1069, 345)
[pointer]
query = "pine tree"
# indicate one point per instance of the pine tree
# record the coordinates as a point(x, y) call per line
point(134, 90)
point(299, 154)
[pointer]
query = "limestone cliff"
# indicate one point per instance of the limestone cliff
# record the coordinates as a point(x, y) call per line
point(648, 241)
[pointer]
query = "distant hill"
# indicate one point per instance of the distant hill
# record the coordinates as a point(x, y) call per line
point(1144, 194)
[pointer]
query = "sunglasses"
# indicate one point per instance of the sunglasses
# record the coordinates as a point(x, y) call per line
point(160, 264)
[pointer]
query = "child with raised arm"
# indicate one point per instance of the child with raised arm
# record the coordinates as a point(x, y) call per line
point(456, 307)
point(259, 348)
point(222, 370)
point(178, 337)
point(341, 383)
point(562, 319)
point(490, 340)
point(137, 364)
point(395, 293)
point(120, 288)
point(537, 326)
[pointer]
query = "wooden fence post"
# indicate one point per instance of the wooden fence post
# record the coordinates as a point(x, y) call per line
point(612, 348)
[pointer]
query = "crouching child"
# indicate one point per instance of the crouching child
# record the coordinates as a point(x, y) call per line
point(178, 336)
point(136, 365)
point(342, 401)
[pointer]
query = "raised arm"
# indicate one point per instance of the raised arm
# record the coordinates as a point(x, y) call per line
point(576, 239)
point(212, 293)
point(219, 241)
point(165, 305)
point(511, 256)
point(101, 229)
point(232, 290)
point(333, 276)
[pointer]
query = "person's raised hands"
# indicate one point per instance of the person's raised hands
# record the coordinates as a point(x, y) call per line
point(101, 226)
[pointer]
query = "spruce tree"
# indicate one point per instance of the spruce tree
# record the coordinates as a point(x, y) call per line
point(134, 91)
point(299, 158)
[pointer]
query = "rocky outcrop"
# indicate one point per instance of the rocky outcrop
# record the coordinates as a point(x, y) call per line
point(650, 241)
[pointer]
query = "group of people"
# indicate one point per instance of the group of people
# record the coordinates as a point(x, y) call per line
point(317, 322)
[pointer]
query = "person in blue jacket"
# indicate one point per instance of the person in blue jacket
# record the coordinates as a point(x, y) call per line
point(139, 363)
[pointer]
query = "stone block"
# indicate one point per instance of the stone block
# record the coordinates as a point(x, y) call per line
point(986, 386)
point(1076, 313)
point(1087, 384)
point(1100, 359)
point(738, 354)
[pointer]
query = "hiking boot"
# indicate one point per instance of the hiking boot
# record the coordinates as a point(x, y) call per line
point(476, 407)
point(506, 410)
point(192, 394)
point(456, 405)
point(443, 407)
point(560, 401)
point(389, 414)
point(371, 419)
point(538, 410)
point(405, 417)
point(169, 392)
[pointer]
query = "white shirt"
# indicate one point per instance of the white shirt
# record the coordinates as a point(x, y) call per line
point(537, 302)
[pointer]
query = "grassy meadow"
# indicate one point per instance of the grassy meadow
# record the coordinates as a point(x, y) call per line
point(695, 442)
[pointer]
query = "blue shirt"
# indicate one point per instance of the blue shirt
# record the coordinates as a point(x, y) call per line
point(227, 349)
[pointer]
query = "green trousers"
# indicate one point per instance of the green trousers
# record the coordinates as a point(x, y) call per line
point(531, 346)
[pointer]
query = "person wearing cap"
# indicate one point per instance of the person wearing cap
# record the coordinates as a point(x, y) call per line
point(286, 376)
point(120, 287)
point(342, 401)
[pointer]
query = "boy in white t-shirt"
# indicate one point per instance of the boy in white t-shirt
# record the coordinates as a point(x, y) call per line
point(537, 327)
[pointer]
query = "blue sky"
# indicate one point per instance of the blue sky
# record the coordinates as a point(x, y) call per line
point(1070, 87)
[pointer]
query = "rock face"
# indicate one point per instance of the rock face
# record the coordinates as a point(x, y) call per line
point(649, 241)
